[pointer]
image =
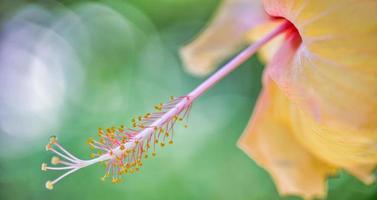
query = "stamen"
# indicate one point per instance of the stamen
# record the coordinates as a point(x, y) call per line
point(62, 155)
point(66, 152)
point(123, 149)
point(60, 168)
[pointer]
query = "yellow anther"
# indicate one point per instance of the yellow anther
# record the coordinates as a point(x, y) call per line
point(90, 141)
point(49, 185)
point(92, 155)
point(131, 171)
point(140, 118)
point(148, 146)
point(146, 156)
point(55, 160)
point(162, 144)
point(167, 134)
point(153, 153)
point(137, 169)
point(115, 180)
point(53, 139)
point(44, 167)
point(171, 142)
point(122, 147)
point(111, 153)
point(185, 125)
point(137, 142)
point(171, 98)
point(156, 141)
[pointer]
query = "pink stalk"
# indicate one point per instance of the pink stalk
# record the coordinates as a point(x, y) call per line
point(137, 141)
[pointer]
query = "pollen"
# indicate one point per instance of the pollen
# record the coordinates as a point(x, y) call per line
point(49, 185)
point(115, 180)
point(53, 139)
point(90, 141)
point(55, 160)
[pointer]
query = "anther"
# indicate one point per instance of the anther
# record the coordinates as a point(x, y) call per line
point(49, 185)
point(53, 139)
point(44, 167)
point(55, 160)
point(48, 147)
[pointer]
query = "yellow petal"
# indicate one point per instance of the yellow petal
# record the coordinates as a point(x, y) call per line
point(223, 36)
point(334, 73)
point(270, 141)
point(333, 80)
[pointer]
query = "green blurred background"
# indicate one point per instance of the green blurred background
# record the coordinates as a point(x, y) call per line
point(69, 67)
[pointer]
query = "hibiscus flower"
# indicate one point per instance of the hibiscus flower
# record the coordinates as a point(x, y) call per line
point(317, 111)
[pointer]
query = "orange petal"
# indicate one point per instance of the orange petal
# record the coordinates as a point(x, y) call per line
point(270, 141)
point(223, 36)
point(333, 80)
